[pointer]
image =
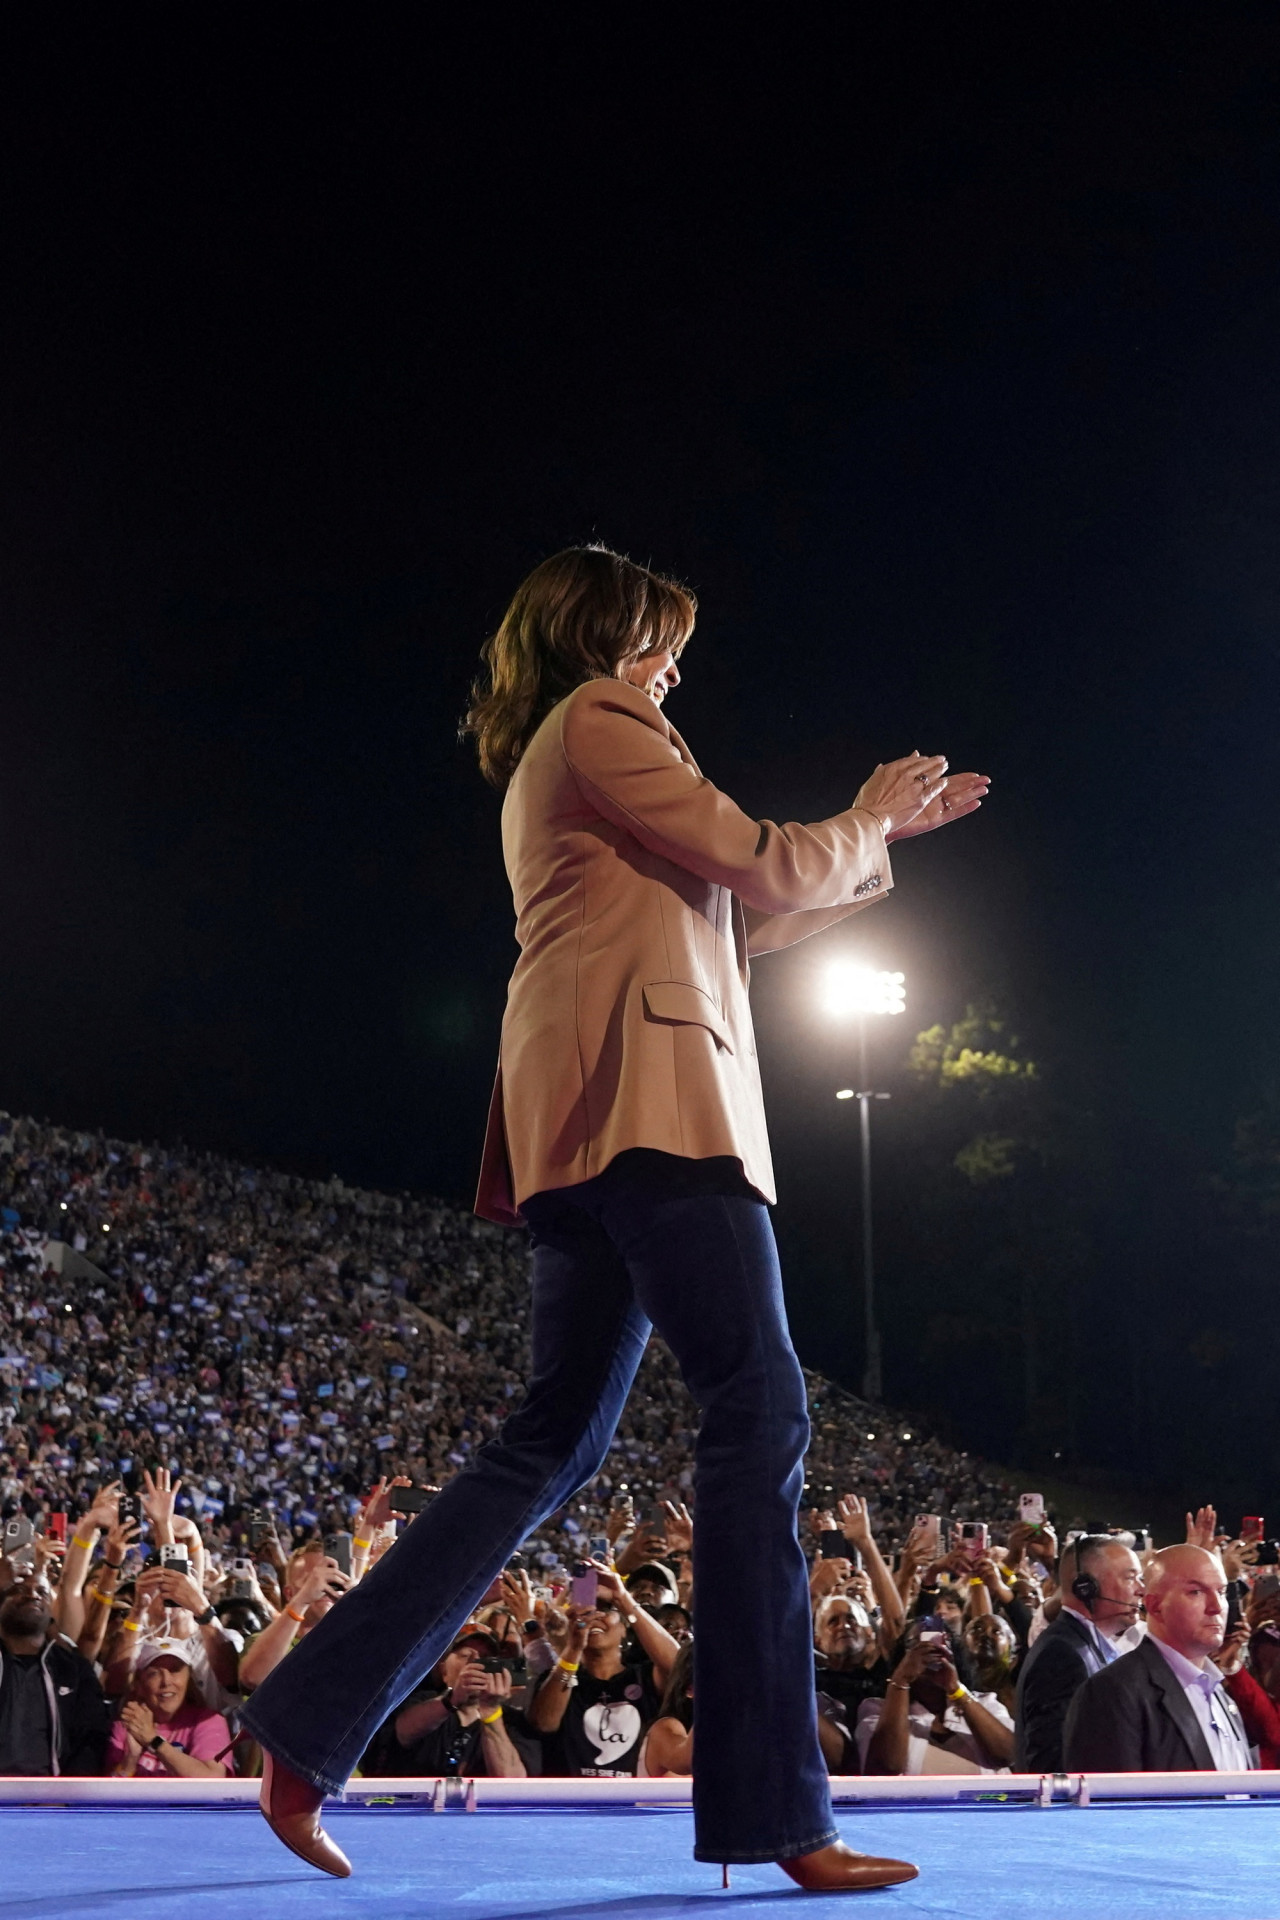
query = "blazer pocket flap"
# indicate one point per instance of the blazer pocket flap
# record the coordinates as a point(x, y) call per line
point(684, 1005)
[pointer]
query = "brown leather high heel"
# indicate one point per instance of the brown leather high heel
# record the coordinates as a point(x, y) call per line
point(838, 1869)
point(291, 1808)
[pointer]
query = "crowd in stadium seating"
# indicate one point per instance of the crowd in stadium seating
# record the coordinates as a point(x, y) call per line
point(217, 1383)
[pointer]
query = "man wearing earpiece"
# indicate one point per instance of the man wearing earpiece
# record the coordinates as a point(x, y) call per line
point(1101, 1585)
point(1163, 1707)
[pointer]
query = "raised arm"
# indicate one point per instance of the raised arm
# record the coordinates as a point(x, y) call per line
point(855, 1524)
point(629, 768)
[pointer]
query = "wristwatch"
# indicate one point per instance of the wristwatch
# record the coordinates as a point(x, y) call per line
point(155, 1743)
point(203, 1619)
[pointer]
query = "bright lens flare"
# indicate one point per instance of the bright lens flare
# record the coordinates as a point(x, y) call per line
point(850, 989)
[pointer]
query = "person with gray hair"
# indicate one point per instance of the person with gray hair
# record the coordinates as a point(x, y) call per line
point(1163, 1708)
point(1100, 1580)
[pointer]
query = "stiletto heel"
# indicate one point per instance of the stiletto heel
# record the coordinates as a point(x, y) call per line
point(838, 1869)
point(725, 1873)
point(291, 1808)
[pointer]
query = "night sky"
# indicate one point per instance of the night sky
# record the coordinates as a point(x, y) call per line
point(941, 360)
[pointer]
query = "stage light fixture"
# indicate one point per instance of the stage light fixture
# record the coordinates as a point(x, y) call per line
point(854, 989)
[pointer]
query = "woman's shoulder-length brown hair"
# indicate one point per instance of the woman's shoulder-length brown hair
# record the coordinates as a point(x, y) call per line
point(577, 617)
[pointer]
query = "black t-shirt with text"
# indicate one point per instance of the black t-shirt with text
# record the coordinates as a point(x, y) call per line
point(603, 1723)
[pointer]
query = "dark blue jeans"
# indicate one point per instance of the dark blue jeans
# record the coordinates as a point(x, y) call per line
point(644, 1244)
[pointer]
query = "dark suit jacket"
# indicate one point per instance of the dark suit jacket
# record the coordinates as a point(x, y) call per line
point(1053, 1672)
point(1134, 1717)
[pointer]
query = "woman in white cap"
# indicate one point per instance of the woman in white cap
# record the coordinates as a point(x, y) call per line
point(161, 1729)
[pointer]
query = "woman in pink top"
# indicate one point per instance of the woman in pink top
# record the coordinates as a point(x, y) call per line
point(160, 1731)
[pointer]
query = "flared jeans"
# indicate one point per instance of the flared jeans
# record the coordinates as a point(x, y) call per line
point(641, 1246)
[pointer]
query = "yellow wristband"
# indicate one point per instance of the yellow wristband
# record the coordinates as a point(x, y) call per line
point(960, 1693)
point(98, 1594)
point(976, 1580)
point(569, 1666)
point(76, 1541)
point(362, 1544)
point(487, 1719)
point(132, 1626)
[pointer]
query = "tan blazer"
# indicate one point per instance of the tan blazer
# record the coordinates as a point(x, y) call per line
point(640, 892)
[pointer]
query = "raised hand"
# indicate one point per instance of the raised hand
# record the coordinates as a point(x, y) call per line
point(517, 1590)
point(576, 1639)
point(679, 1527)
point(1202, 1528)
point(180, 1590)
point(1230, 1655)
point(158, 1496)
point(104, 1512)
point(48, 1548)
point(964, 793)
point(376, 1510)
point(900, 790)
point(828, 1576)
point(646, 1543)
point(120, 1537)
point(617, 1520)
point(319, 1583)
point(855, 1521)
point(1237, 1555)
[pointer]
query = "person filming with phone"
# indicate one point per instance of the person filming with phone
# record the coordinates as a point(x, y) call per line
point(313, 1581)
point(593, 1708)
point(465, 1726)
point(928, 1706)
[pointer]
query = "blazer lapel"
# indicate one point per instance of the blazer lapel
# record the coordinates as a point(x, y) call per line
point(1177, 1706)
point(1084, 1639)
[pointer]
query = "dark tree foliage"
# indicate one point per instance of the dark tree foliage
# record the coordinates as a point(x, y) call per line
point(1060, 1285)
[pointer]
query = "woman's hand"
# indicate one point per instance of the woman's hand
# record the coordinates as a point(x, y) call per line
point(679, 1527)
point(517, 1591)
point(377, 1508)
point(913, 1664)
point(120, 1538)
point(1230, 1656)
point(104, 1512)
point(158, 1497)
point(963, 793)
point(855, 1521)
point(900, 791)
point(139, 1723)
point(616, 1522)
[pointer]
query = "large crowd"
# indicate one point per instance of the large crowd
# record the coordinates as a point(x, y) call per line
point(224, 1392)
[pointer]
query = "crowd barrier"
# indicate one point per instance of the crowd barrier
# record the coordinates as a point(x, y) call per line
point(847, 1790)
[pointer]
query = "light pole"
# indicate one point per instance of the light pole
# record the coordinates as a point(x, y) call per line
point(859, 991)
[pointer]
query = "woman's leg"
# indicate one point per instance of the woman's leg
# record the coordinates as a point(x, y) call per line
point(318, 1710)
point(705, 1271)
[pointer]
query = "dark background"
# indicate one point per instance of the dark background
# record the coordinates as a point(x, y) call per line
point(939, 357)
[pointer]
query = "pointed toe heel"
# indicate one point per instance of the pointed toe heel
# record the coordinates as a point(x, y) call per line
point(838, 1869)
point(291, 1808)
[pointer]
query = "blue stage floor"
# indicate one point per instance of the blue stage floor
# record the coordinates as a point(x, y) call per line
point(1101, 1863)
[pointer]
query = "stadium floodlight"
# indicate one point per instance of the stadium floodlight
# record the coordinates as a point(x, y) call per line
point(850, 989)
point(862, 990)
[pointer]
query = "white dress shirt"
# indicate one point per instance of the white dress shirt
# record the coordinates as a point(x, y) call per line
point(1204, 1691)
point(1107, 1649)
